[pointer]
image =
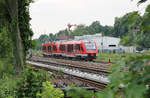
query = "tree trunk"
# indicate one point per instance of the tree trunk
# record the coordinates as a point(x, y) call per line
point(12, 6)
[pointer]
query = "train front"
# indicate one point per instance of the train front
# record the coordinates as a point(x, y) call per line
point(91, 49)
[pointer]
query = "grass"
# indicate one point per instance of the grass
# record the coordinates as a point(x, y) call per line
point(38, 53)
point(112, 57)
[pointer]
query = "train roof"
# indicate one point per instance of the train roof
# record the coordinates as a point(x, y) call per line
point(67, 42)
point(47, 44)
point(72, 42)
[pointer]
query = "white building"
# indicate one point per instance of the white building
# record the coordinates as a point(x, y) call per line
point(103, 42)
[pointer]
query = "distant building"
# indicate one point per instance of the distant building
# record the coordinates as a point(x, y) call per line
point(103, 42)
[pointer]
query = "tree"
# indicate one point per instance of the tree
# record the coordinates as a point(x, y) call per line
point(132, 24)
point(95, 27)
point(80, 30)
point(108, 30)
point(143, 39)
point(12, 7)
point(43, 38)
point(122, 27)
point(14, 17)
point(52, 37)
point(62, 34)
point(24, 24)
point(142, 1)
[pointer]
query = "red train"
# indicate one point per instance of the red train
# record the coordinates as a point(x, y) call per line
point(73, 49)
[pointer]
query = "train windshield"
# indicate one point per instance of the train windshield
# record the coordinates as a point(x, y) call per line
point(90, 46)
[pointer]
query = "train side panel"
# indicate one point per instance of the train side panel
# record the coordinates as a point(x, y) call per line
point(78, 49)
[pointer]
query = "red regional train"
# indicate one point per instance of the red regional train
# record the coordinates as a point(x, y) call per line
point(73, 49)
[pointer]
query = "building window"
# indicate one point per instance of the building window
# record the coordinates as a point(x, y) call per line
point(112, 45)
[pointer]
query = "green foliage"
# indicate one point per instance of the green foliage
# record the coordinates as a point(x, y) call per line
point(5, 43)
point(42, 39)
point(105, 94)
point(127, 40)
point(94, 28)
point(24, 24)
point(65, 32)
point(141, 1)
point(7, 86)
point(27, 85)
point(35, 44)
point(30, 82)
point(79, 93)
point(4, 16)
point(49, 91)
point(139, 29)
point(133, 73)
point(126, 24)
point(80, 30)
point(144, 35)
point(6, 67)
point(52, 37)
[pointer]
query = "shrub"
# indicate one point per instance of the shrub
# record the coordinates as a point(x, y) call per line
point(7, 86)
point(49, 91)
point(30, 82)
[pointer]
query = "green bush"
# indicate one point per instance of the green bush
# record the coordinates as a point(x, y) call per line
point(48, 91)
point(30, 82)
point(76, 92)
point(7, 86)
point(133, 73)
point(5, 67)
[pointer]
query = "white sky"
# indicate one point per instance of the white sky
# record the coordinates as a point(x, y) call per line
point(50, 16)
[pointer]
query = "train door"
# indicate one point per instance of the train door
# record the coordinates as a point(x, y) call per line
point(46, 49)
point(70, 50)
point(49, 50)
point(82, 49)
point(77, 49)
point(74, 49)
point(54, 50)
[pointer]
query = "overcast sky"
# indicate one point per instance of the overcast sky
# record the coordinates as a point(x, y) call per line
point(50, 16)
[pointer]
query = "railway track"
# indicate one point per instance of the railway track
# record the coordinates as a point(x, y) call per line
point(87, 81)
point(85, 66)
point(93, 76)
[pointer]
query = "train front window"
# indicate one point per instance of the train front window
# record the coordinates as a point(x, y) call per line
point(90, 46)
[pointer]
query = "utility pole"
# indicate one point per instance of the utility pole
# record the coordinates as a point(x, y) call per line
point(102, 43)
point(69, 29)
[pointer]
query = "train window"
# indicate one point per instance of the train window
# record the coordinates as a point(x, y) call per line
point(62, 48)
point(54, 48)
point(82, 48)
point(78, 47)
point(90, 46)
point(49, 49)
point(70, 48)
point(44, 48)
